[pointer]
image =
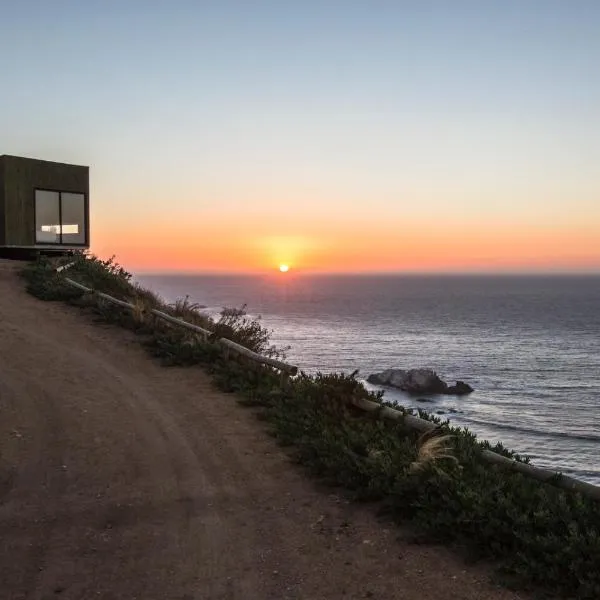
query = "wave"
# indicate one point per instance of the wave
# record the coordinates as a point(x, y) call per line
point(588, 437)
point(585, 473)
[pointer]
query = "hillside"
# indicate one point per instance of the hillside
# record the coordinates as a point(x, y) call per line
point(122, 479)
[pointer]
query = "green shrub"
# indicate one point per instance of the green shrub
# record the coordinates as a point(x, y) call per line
point(43, 282)
point(103, 275)
point(235, 325)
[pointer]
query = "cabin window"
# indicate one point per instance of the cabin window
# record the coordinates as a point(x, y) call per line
point(59, 217)
point(72, 218)
point(47, 217)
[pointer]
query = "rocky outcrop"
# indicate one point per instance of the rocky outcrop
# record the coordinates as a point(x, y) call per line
point(418, 381)
point(460, 388)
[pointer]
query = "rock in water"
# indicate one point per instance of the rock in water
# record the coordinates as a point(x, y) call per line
point(418, 381)
point(415, 381)
point(459, 389)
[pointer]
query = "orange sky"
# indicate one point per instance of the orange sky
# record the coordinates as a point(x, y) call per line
point(352, 247)
point(232, 137)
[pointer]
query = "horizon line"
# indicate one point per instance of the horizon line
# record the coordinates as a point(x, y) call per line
point(300, 273)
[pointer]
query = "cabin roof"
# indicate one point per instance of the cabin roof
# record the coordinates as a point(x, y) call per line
point(39, 160)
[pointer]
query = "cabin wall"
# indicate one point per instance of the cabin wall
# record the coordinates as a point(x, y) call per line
point(21, 178)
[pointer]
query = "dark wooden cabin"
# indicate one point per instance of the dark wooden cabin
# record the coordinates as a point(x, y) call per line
point(43, 205)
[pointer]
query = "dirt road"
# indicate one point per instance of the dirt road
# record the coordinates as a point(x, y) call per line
point(121, 479)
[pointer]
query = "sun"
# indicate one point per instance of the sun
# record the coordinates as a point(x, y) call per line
point(284, 268)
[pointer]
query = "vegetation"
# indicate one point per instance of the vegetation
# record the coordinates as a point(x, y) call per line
point(542, 537)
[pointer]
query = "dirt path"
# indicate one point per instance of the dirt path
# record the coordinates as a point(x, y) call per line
point(120, 479)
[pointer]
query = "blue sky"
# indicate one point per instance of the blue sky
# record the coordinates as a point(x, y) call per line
point(483, 113)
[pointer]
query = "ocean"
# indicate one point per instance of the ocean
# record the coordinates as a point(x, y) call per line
point(529, 345)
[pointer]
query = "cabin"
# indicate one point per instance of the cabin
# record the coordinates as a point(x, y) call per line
point(44, 206)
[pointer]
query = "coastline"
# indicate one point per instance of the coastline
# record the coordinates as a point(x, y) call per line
point(524, 374)
point(437, 484)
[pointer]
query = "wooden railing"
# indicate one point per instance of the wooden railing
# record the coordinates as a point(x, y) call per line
point(545, 475)
point(205, 333)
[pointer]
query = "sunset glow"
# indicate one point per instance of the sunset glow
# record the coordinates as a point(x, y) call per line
point(396, 140)
point(347, 248)
point(284, 268)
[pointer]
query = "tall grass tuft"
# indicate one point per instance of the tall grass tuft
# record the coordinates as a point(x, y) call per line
point(148, 297)
point(431, 450)
point(192, 312)
point(140, 313)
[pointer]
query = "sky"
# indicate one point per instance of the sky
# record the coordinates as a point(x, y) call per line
point(339, 136)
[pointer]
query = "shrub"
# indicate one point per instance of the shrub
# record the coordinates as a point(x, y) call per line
point(147, 297)
point(235, 325)
point(106, 276)
point(44, 283)
point(191, 312)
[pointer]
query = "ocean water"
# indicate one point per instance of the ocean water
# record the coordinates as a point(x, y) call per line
point(529, 345)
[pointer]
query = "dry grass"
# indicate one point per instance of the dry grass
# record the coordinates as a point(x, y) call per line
point(191, 312)
point(150, 298)
point(431, 450)
point(141, 311)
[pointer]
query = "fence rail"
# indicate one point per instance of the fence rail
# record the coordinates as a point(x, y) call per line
point(175, 321)
point(546, 475)
point(230, 345)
